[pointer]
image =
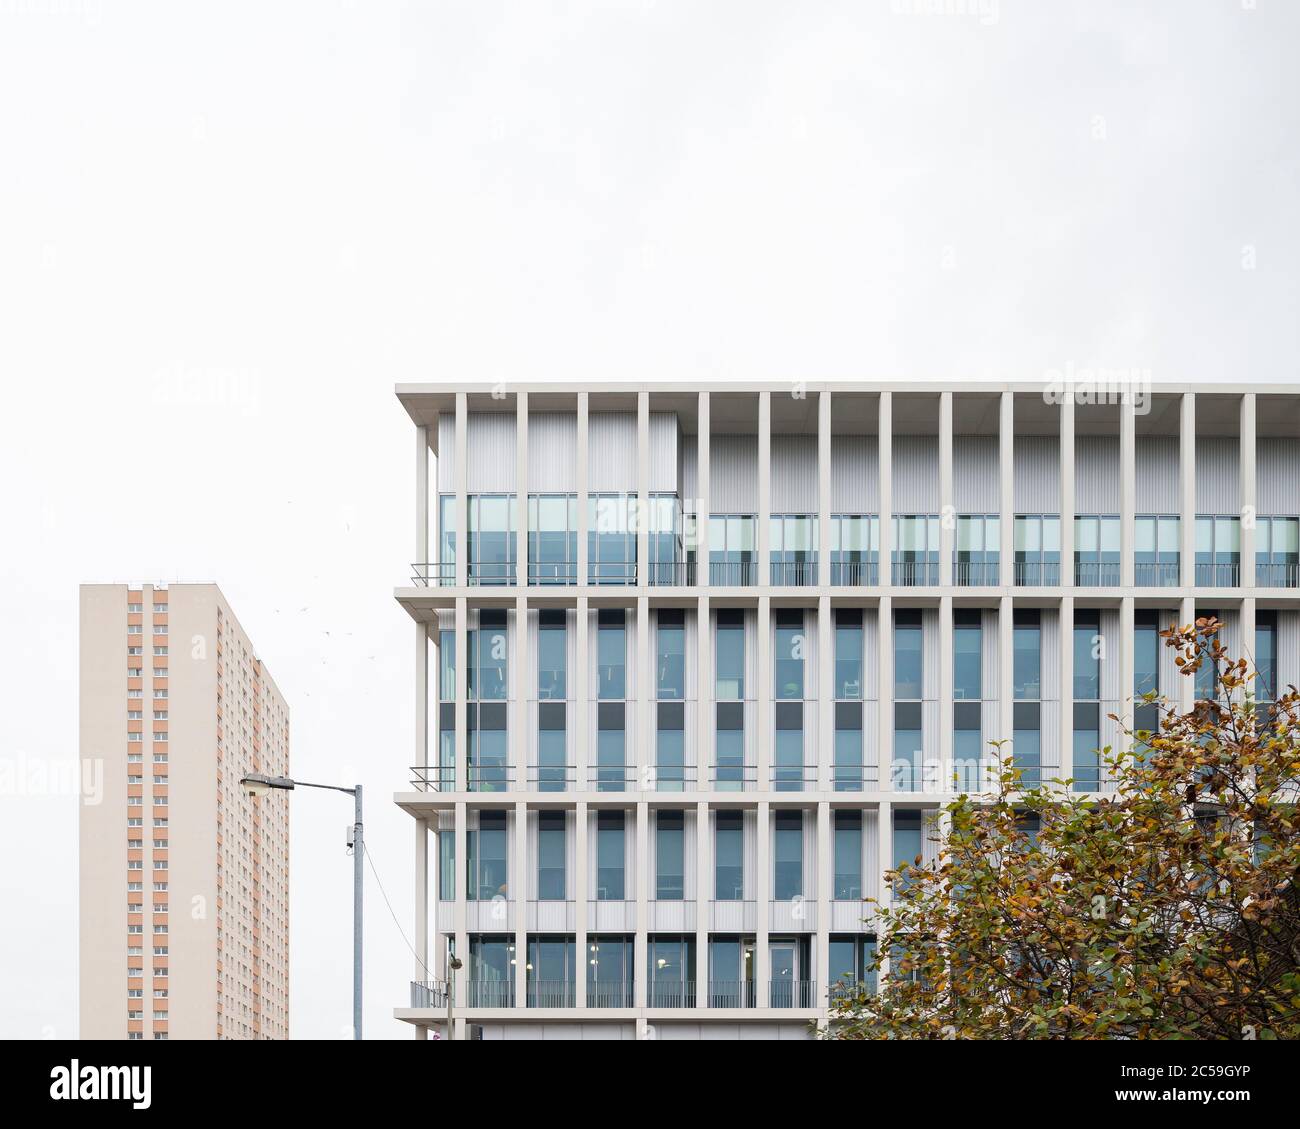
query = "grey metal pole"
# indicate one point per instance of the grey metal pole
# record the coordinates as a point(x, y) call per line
point(358, 866)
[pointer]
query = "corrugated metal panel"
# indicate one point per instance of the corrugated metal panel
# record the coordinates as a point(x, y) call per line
point(1096, 474)
point(870, 853)
point(930, 844)
point(1110, 735)
point(930, 653)
point(1277, 476)
point(1167, 669)
point(611, 452)
point(1157, 474)
point(688, 454)
point(990, 653)
point(975, 474)
point(663, 452)
point(1230, 634)
point(1037, 467)
point(1110, 654)
point(1050, 739)
point(1218, 476)
point(871, 656)
point(1050, 715)
point(446, 458)
point(749, 833)
point(552, 453)
point(916, 474)
point(1288, 651)
point(733, 474)
point(855, 474)
point(794, 474)
point(690, 849)
point(491, 454)
point(930, 771)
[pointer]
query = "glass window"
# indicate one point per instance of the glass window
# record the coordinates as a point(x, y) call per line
point(609, 971)
point(1027, 742)
point(672, 971)
point(968, 642)
point(848, 855)
point(729, 858)
point(849, 754)
point(907, 837)
point(787, 855)
point(670, 855)
point(848, 655)
point(611, 538)
point(550, 856)
point(731, 548)
point(610, 853)
point(1027, 656)
point(730, 659)
point(1088, 645)
point(446, 866)
point(447, 535)
point(1087, 757)
point(788, 657)
point(491, 538)
point(552, 538)
point(1266, 656)
point(486, 873)
point(1146, 653)
point(611, 655)
point(908, 662)
point(552, 659)
point(670, 655)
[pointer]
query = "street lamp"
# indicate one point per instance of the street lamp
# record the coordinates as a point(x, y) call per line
point(259, 784)
point(454, 965)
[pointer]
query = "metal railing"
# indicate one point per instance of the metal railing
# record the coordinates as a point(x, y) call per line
point(1096, 574)
point(611, 572)
point(490, 993)
point(551, 778)
point(551, 993)
point(975, 573)
point(915, 574)
point(671, 993)
point(613, 778)
point(440, 573)
point(489, 778)
point(854, 778)
point(1218, 575)
point(671, 573)
point(1037, 574)
point(1277, 574)
point(723, 574)
point(1155, 574)
point(794, 573)
point(433, 778)
point(793, 778)
point(792, 993)
point(845, 574)
point(731, 993)
point(672, 778)
point(733, 778)
point(429, 993)
point(490, 573)
point(553, 572)
point(606, 994)
point(845, 991)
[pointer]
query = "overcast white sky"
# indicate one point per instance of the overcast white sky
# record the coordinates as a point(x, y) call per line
point(227, 229)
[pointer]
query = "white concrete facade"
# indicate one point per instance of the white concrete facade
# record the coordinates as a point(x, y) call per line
point(1018, 549)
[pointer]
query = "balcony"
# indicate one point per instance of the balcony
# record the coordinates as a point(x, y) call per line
point(551, 778)
point(429, 993)
point(1096, 574)
point(671, 993)
point(1156, 574)
point(854, 778)
point(733, 778)
point(611, 572)
point(490, 993)
point(854, 574)
point(731, 993)
point(1276, 574)
point(915, 574)
point(546, 573)
point(551, 993)
point(793, 574)
point(792, 994)
point(733, 574)
point(490, 573)
point(425, 574)
point(616, 994)
point(489, 778)
point(975, 574)
point(673, 574)
point(793, 778)
point(1037, 574)
point(846, 991)
point(1219, 574)
point(433, 778)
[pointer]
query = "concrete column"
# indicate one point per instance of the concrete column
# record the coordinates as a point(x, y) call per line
point(460, 912)
point(1127, 661)
point(521, 488)
point(763, 694)
point(1066, 691)
point(885, 695)
point(823, 489)
point(524, 686)
point(422, 968)
point(885, 853)
point(462, 688)
point(581, 708)
point(704, 690)
point(421, 694)
point(1007, 488)
point(1067, 490)
point(643, 715)
point(519, 882)
point(643, 488)
point(1187, 486)
point(1185, 692)
point(762, 539)
point(945, 778)
point(885, 474)
point(1246, 453)
point(825, 659)
point(1247, 636)
point(421, 497)
point(947, 509)
point(825, 876)
point(582, 884)
point(703, 502)
point(1006, 679)
point(1127, 492)
point(583, 576)
point(763, 901)
point(462, 480)
point(703, 901)
point(640, 943)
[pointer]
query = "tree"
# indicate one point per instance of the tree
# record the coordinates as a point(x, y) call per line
point(1166, 909)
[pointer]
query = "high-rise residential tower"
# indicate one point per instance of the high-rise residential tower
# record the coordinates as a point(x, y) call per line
point(696, 666)
point(184, 898)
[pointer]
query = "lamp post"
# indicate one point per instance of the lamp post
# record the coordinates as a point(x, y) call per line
point(259, 784)
point(454, 965)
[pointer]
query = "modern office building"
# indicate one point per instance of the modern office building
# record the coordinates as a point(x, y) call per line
point(660, 763)
point(184, 884)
